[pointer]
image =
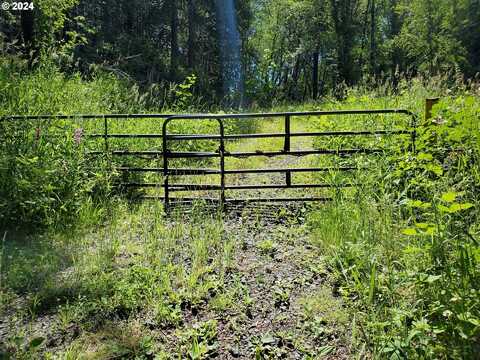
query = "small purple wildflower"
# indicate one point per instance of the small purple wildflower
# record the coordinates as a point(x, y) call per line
point(77, 136)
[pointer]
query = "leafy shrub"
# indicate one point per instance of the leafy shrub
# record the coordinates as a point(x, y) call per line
point(406, 253)
point(45, 176)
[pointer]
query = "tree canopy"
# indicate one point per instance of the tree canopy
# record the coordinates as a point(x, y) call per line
point(291, 49)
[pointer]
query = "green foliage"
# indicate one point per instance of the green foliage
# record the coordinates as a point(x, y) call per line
point(428, 37)
point(45, 175)
point(53, 15)
point(200, 340)
point(403, 251)
point(310, 47)
point(291, 50)
point(323, 314)
point(406, 253)
point(267, 247)
point(44, 183)
point(183, 93)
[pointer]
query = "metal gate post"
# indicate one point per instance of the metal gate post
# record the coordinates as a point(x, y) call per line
point(105, 124)
point(286, 148)
point(165, 164)
point(414, 134)
point(107, 148)
point(288, 178)
point(222, 162)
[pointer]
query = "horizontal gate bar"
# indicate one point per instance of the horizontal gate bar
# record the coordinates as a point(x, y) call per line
point(292, 114)
point(152, 153)
point(140, 169)
point(280, 135)
point(271, 153)
point(278, 199)
point(189, 187)
point(128, 136)
point(206, 116)
point(238, 201)
point(201, 154)
point(86, 116)
point(239, 171)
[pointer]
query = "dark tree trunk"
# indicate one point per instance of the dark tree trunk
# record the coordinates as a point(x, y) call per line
point(192, 29)
point(173, 40)
point(292, 92)
point(364, 36)
point(342, 15)
point(27, 21)
point(316, 56)
point(306, 89)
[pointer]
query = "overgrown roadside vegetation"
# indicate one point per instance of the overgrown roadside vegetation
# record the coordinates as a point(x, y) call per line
point(405, 251)
point(389, 270)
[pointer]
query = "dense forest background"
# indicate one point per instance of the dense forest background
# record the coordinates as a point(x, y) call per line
point(290, 50)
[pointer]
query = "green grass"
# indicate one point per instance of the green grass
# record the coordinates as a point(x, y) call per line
point(404, 252)
point(165, 269)
point(387, 270)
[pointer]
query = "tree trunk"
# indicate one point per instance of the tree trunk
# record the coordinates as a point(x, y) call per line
point(192, 29)
point(27, 22)
point(173, 40)
point(396, 58)
point(364, 37)
point(295, 75)
point(342, 15)
point(316, 56)
point(373, 49)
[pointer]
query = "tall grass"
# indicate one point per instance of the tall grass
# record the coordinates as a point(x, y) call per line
point(405, 248)
point(46, 176)
point(137, 266)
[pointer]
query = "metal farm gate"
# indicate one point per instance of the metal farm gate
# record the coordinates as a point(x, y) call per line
point(168, 147)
